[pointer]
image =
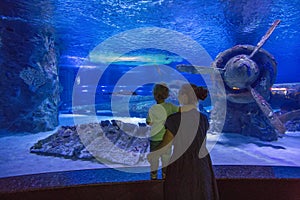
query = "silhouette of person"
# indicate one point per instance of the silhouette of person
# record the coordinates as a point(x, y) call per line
point(190, 174)
point(156, 118)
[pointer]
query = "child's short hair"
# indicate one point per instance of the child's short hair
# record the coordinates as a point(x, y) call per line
point(161, 91)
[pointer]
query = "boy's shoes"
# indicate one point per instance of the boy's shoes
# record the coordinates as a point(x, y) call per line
point(153, 176)
point(163, 176)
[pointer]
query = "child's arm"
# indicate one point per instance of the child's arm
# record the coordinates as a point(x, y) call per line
point(149, 123)
point(148, 120)
point(161, 148)
point(167, 140)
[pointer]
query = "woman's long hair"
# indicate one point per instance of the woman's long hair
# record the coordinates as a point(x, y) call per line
point(194, 92)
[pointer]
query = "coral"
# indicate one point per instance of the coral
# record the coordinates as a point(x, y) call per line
point(33, 78)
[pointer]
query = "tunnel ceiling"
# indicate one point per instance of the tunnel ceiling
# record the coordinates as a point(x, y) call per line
point(217, 25)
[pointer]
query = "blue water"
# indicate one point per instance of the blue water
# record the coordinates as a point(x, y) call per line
point(217, 25)
point(82, 25)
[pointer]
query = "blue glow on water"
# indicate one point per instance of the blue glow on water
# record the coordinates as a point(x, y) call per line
point(217, 25)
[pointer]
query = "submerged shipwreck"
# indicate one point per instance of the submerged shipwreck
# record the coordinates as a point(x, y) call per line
point(248, 73)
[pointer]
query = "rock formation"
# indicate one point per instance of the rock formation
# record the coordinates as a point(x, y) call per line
point(106, 142)
point(28, 76)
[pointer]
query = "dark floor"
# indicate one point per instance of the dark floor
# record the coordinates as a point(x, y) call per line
point(83, 177)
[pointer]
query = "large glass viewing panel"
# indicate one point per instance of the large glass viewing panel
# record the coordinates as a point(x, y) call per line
point(77, 80)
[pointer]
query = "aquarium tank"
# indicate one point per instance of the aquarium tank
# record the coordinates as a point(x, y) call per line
point(77, 79)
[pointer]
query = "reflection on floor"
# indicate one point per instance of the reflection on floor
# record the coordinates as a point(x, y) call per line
point(106, 175)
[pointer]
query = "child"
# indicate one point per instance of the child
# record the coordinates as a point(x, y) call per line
point(156, 118)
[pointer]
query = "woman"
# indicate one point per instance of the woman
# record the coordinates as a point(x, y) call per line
point(189, 174)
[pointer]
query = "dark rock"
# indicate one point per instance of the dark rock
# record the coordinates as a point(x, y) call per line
point(28, 77)
point(121, 143)
point(105, 123)
point(293, 126)
point(142, 124)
